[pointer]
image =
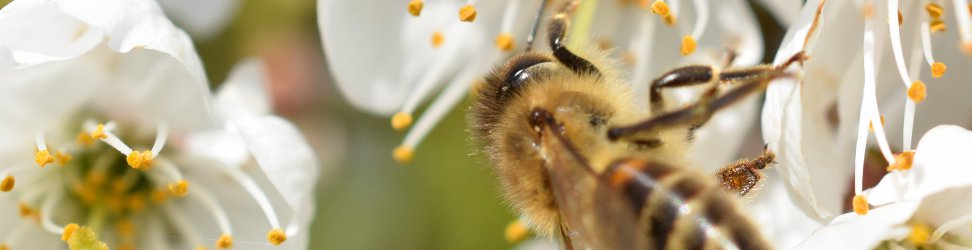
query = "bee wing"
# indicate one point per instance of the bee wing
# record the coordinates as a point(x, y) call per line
point(596, 215)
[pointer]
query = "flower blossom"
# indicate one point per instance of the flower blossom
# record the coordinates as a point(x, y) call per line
point(112, 138)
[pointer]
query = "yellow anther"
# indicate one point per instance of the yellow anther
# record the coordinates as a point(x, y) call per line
point(504, 42)
point(900, 18)
point(99, 132)
point(140, 160)
point(225, 241)
point(276, 236)
point(25, 210)
point(938, 69)
point(43, 157)
point(400, 121)
point(467, 13)
point(158, 196)
point(68, 231)
point(125, 228)
point(917, 92)
point(415, 7)
point(860, 204)
point(403, 154)
point(7, 184)
point(871, 124)
point(85, 139)
point(937, 25)
point(669, 20)
point(179, 189)
point(661, 8)
point(84, 238)
point(515, 231)
point(920, 233)
point(136, 203)
point(61, 158)
point(688, 45)
point(935, 11)
point(902, 161)
point(437, 39)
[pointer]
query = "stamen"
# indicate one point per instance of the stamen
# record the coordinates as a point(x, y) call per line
point(902, 161)
point(869, 112)
point(467, 13)
point(179, 189)
point(225, 241)
point(25, 209)
point(7, 184)
point(99, 132)
point(917, 92)
point(920, 233)
point(400, 121)
point(203, 196)
point(515, 231)
point(860, 204)
point(661, 8)
point(136, 203)
point(276, 236)
point(403, 154)
point(85, 139)
point(415, 7)
point(43, 157)
point(68, 231)
point(62, 158)
point(504, 42)
point(935, 11)
point(872, 123)
point(125, 227)
point(702, 18)
point(161, 135)
point(688, 45)
point(140, 160)
point(437, 39)
point(950, 225)
point(937, 25)
point(900, 18)
point(116, 143)
point(158, 196)
point(938, 69)
point(254, 190)
point(182, 224)
point(963, 20)
point(895, 31)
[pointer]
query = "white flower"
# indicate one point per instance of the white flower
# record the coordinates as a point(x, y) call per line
point(927, 206)
point(204, 20)
point(858, 49)
point(108, 123)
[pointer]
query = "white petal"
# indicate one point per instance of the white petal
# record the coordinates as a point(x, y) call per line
point(852, 231)
point(203, 19)
point(781, 221)
point(941, 162)
point(23, 42)
point(244, 93)
point(283, 155)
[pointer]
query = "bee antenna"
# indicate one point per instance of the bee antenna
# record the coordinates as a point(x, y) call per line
point(536, 25)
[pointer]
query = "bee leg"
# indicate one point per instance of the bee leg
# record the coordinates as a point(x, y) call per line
point(744, 175)
point(680, 77)
point(557, 32)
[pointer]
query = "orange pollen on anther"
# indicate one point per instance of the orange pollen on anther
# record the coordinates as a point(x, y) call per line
point(415, 7)
point(403, 154)
point(504, 42)
point(937, 25)
point(140, 160)
point(515, 231)
point(158, 196)
point(225, 241)
point(661, 8)
point(43, 157)
point(99, 132)
point(669, 20)
point(688, 45)
point(935, 11)
point(437, 39)
point(61, 158)
point(917, 92)
point(400, 121)
point(7, 184)
point(179, 189)
point(938, 69)
point(85, 139)
point(467, 13)
point(900, 18)
point(860, 204)
point(68, 231)
point(276, 236)
point(902, 161)
point(25, 210)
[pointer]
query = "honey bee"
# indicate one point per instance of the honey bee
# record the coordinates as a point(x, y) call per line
point(579, 162)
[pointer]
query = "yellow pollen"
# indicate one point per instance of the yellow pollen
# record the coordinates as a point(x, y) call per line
point(935, 11)
point(225, 241)
point(688, 45)
point(276, 236)
point(158, 196)
point(937, 25)
point(917, 92)
point(415, 7)
point(900, 18)
point(25, 210)
point(661, 8)
point(437, 39)
point(504, 42)
point(61, 158)
point(68, 231)
point(902, 161)
point(99, 132)
point(467, 13)
point(43, 157)
point(515, 231)
point(871, 124)
point(140, 161)
point(403, 154)
point(85, 139)
point(179, 189)
point(669, 20)
point(860, 205)
point(938, 69)
point(400, 121)
point(920, 233)
point(7, 184)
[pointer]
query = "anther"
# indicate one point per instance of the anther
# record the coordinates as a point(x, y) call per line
point(437, 39)
point(917, 92)
point(938, 69)
point(902, 161)
point(7, 184)
point(68, 231)
point(140, 160)
point(900, 18)
point(61, 158)
point(504, 42)
point(515, 231)
point(400, 121)
point(158, 196)
point(937, 25)
point(467, 13)
point(920, 233)
point(415, 7)
point(179, 189)
point(403, 154)
point(225, 241)
point(85, 139)
point(935, 11)
point(688, 45)
point(25, 210)
point(276, 236)
point(99, 132)
point(860, 205)
point(669, 20)
point(661, 8)
point(43, 157)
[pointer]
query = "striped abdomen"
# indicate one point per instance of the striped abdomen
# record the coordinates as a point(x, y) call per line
point(680, 209)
